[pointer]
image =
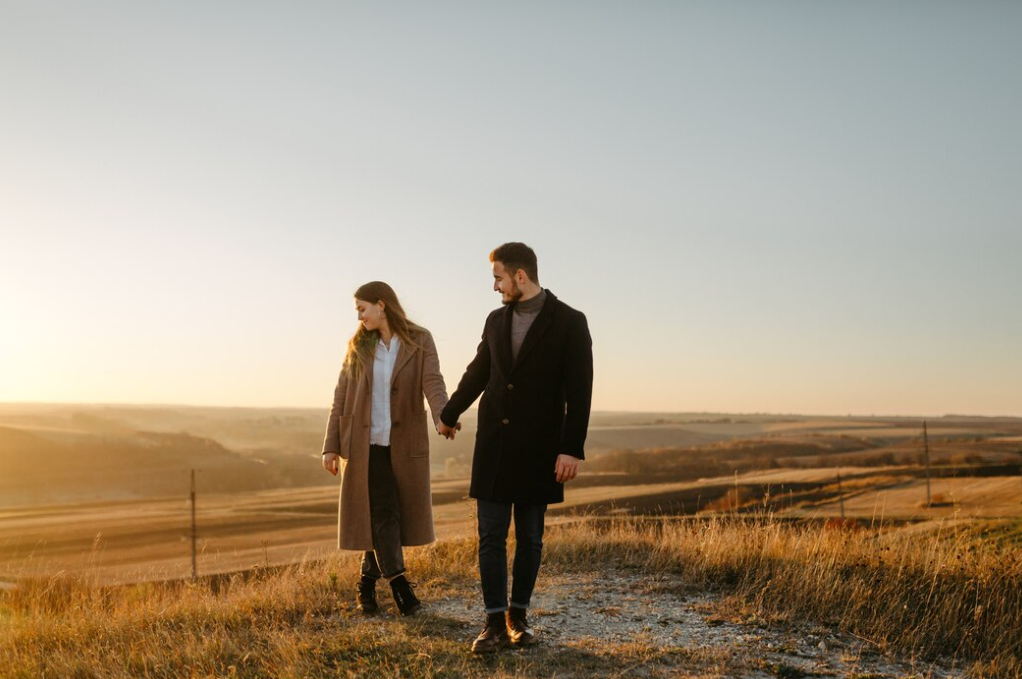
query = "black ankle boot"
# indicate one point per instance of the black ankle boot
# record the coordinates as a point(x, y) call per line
point(404, 597)
point(493, 636)
point(365, 595)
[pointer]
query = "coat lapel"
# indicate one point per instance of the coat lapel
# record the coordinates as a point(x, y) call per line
point(536, 330)
point(404, 354)
point(504, 339)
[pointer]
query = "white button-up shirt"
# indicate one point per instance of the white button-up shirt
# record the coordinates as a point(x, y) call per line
point(383, 369)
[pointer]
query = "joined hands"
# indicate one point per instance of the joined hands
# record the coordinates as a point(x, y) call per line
point(448, 432)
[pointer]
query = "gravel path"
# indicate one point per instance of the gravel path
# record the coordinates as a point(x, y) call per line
point(586, 611)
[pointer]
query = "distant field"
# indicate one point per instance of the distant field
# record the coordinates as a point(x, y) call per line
point(116, 504)
point(952, 498)
point(129, 541)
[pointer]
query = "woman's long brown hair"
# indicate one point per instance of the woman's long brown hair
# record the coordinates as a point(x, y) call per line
point(362, 345)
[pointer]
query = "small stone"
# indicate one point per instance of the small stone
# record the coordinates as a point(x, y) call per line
point(822, 646)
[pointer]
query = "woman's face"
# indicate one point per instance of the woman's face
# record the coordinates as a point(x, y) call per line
point(369, 315)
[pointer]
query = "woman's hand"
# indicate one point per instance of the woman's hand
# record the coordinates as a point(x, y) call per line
point(331, 461)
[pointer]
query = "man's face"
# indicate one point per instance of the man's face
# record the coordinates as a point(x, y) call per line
point(504, 283)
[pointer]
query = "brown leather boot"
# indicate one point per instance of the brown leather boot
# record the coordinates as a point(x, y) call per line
point(494, 635)
point(518, 629)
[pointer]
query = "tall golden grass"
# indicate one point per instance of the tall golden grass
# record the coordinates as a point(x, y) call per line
point(946, 594)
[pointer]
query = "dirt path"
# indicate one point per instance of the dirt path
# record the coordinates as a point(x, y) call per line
point(685, 635)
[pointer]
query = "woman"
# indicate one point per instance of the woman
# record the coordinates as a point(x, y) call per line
point(377, 434)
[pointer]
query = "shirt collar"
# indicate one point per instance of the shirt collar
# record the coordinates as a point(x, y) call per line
point(387, 347)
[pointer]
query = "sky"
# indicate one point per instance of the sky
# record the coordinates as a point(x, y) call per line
point(761, 207)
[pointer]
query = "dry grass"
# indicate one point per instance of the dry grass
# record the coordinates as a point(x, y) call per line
point(943, 594)
point(946, 594)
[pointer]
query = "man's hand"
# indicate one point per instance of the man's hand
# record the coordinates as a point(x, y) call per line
point(448, 432)
point(566, 468)
point(330, 462)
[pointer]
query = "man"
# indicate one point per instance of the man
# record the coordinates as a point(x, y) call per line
point(534, 369)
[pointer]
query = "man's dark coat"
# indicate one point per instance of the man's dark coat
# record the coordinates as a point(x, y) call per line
point(533, 409)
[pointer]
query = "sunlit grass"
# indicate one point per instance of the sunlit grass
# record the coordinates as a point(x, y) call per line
point(947, 593)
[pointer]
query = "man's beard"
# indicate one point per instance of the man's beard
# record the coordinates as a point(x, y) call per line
point(516, 294)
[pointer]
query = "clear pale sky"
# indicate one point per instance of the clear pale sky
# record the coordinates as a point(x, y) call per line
point(810, 207)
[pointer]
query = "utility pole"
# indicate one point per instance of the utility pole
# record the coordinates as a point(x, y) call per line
point(195, 575)
point(840, 494)
point(926, 452)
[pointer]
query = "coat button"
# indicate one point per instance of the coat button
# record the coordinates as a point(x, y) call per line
point(510, 386)
point(506, 421)
point(397, 424)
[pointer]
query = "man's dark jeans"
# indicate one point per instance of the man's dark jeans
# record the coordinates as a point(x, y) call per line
point(494, 522)
point(386, 559)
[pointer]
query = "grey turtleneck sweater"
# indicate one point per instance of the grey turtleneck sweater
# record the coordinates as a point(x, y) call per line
point(521, 320)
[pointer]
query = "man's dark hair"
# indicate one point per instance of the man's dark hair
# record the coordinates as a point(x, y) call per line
point(515, 256)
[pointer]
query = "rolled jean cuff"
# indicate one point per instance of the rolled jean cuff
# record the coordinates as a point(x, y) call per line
point(490, 611)
point(524, 607)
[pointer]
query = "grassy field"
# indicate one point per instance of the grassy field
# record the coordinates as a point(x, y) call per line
point(948, 600)
point(740, 512)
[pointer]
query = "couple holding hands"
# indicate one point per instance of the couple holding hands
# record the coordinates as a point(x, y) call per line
point(534, 370)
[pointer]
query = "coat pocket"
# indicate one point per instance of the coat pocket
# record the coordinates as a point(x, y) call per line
point(344, 432)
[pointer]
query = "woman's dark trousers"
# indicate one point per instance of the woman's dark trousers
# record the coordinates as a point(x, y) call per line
point(385, 559)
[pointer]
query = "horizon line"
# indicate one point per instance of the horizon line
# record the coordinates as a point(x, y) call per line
point(474, 407)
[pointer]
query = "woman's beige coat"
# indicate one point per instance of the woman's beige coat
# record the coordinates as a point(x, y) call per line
point(416, 373)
